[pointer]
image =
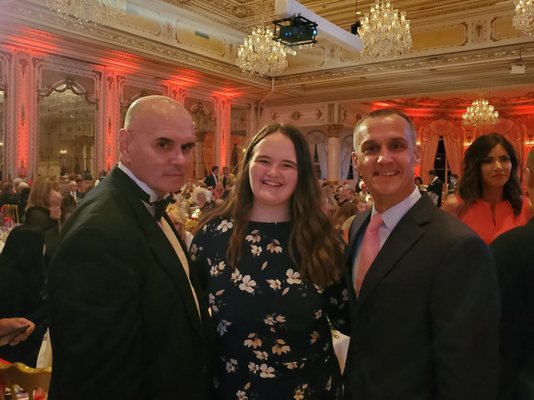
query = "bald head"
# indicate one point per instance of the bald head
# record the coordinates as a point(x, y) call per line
point(156, 142)
point(145, 110)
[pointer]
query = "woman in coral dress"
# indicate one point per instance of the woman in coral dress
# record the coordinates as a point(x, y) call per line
point(489, 198)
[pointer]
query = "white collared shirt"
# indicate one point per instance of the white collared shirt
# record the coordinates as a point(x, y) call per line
point(393, 215)
point(152, 194)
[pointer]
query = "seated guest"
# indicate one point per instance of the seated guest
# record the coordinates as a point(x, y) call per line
point(453, 183)
point(8, 194)
point(489, 197)
point(202, 198)
point(22, 291)
point(514, 257)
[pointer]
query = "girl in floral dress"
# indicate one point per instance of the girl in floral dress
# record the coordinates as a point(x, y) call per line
point(270, 262)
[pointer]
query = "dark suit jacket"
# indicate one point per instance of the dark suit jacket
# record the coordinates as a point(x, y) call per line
point(210, 181)
point(425, 325)
point(123, 321)
point(436, 187)
point(514, 256)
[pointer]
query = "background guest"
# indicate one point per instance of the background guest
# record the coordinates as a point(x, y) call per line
point(514, 256)
point(453, 183)
point(271, 265)
point(435, 187)
point(489, 197)
point(8, 194)
point(22, 291)
point(211, 179)
point(44, 204)
point(202, 198)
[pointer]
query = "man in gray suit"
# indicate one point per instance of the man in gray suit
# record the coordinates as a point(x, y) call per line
point(126, 317)
point(425, 310)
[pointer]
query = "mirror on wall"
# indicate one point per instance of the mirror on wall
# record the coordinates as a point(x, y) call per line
point(2, 131)
point(205, 123)
point(67, 121)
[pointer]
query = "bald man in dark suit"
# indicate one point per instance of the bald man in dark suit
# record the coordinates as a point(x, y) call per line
point(425, 309)
point(126, 317)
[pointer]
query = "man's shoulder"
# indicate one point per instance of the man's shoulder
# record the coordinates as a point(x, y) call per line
point(440, 223)
point(521, 237)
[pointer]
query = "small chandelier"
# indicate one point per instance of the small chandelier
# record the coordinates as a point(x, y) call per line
point(480, 113)
point(261, 55)
point(100, 12)
point(524, 16)
point(384, 31)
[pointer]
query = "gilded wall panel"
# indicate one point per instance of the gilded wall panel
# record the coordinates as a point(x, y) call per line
point(503, 28)
point(199, 38)
point(447, 36)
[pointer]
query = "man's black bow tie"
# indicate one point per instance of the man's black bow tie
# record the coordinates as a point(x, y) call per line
point(160, 206)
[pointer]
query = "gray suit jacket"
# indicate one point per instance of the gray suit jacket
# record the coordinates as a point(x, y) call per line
point(425, 325)
point(123, 320)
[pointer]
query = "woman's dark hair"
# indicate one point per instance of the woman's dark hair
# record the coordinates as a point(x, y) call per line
point(470, 187)
point(314, 245)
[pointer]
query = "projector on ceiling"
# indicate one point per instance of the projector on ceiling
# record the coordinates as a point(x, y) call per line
point(518, 68)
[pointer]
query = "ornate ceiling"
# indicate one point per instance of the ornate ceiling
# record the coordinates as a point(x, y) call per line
point(462, 49)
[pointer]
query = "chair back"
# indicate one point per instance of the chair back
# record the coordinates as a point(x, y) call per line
point(29, 379)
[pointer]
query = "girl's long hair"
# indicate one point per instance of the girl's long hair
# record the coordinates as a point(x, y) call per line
point(314, 245)
point(470, 186)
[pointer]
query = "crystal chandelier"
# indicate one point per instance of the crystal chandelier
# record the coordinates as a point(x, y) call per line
point(524, 16)
point(480, 113)
point(261, 55)
point(100, 12)
point(384, 31)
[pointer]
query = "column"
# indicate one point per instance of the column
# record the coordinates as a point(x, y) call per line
point(109, 124)
point(222, 133)
point(199, 155)
point(332, 165)
point(25, 99)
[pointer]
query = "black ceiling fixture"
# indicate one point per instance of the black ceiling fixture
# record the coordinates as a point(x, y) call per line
point(295, 31)
point(354, 28)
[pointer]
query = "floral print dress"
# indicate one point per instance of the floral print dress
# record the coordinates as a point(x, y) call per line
point(273, 334)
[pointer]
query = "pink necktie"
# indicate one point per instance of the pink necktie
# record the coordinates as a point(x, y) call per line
point(369, 249)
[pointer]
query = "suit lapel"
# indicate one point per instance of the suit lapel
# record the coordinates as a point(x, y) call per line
point(160, 246)
point(403, 237)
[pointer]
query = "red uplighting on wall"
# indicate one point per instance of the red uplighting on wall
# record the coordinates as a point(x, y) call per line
point(35, 41)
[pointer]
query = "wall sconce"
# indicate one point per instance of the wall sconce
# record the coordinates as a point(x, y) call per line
point(530, 140)
point(62, 152)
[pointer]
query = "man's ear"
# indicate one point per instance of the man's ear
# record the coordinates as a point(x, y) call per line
point(355, 169)
point(417, 154)
point(528, 178)
point(124, 144)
